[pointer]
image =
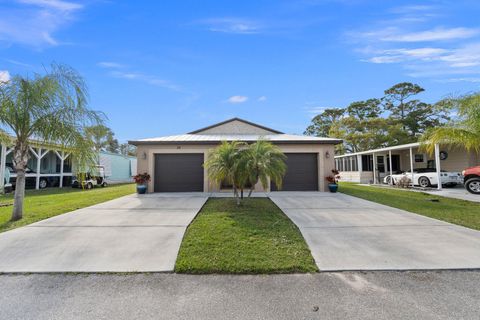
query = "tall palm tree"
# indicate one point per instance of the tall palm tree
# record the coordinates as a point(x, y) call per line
point(223, 164)
point(464, 131)
point(47, 109)
point(263, 161)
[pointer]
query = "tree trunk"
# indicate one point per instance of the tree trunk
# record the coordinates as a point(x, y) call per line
point(20, 159)
point(241, 193)
point(250, 192)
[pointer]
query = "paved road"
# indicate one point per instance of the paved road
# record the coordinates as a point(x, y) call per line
point(348, 233)
point(132, 233)
point(367, 295)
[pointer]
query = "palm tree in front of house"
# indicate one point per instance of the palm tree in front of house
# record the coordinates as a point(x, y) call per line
point(242, 165)
point(223, 164)
point(47, 109)
point(264, 161)
point(462, 132)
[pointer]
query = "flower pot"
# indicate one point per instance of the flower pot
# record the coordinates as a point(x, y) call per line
point(333, 187)
point(141, 189)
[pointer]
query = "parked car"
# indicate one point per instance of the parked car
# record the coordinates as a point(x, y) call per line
point(471, 179)
point(30, 182)
point(91, 179)
point(427, 177)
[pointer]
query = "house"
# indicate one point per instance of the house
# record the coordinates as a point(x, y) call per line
point(175, 163)
point(118, 168)
point(50, 167)
point(372, 166)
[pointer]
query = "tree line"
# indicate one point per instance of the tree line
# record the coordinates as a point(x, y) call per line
point(398, 117)
point(103, 139)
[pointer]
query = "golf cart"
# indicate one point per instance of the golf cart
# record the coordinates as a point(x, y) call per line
point(89, 180)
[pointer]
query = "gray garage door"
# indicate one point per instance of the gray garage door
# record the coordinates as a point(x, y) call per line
point(302, 173)
point(181, 172)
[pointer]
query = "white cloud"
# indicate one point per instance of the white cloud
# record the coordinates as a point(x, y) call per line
point(110, 65)
point(421, 48)
point(18, 63)
point(473, 80)
point(403, 54)
point(54, 4)
point(149, 79)
point(395, 34)
point(4, 76)
point(232, 25)
point(436, 34)
point(237, 99)
point(35, 22)
point(262, 98)
point(411, 9)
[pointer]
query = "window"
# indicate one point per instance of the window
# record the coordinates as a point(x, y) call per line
point(381, 164)
point(367, 163)
point(419, 158)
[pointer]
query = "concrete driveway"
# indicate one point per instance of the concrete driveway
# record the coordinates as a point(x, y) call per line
point(132, 233)
point(348, 233)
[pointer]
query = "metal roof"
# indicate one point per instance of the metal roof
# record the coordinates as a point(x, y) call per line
point(217, 138)
point(399, 147)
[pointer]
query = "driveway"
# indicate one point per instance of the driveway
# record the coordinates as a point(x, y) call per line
point(348, 233)
point(458, 192)
point(132, 233)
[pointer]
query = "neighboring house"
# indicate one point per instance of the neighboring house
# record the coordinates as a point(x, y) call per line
point(118, 168)
point(48, 167)
point(372, 166)
point(175, 163)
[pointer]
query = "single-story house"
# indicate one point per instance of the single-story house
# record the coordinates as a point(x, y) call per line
point(371, 166)
point(50, 167)
point(118, 168)
point(175, 163)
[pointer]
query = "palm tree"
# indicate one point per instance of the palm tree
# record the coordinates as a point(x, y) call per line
point(47, 109)
point(223, 164)
point(464, 131)
point(263, 161)
point(240, 165)
point(102, 138)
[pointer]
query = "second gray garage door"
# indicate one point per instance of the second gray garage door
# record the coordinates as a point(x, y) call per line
point(302, 173)
point(180, 172)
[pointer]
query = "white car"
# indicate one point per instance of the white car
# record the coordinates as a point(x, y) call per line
point(427, 177)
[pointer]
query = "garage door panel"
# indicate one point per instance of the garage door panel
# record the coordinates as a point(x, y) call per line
point(302, 173)
point(179, 172)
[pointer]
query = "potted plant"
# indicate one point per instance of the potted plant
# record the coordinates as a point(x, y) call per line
point(333, 180)
point(141, 180)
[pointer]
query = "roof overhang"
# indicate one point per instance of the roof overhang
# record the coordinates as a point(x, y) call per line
point(216, 142)
point(387, 149)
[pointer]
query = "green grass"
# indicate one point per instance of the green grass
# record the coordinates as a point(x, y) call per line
point(256, 237)
point(464, 213)
point(43, 204)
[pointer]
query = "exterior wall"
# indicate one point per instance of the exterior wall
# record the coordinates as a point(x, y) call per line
point(146, 156)
point(458, 159)
point(117, 167)
point(235, 127)
point(365, 177)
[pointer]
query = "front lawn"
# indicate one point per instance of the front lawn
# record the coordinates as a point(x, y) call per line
point(43, 204)
point(256, 237)
point(464, 213)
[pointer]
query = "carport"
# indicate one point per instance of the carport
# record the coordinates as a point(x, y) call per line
point(372, 165)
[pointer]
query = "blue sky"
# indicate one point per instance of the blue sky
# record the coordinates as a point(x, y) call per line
point(168, 67)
